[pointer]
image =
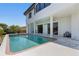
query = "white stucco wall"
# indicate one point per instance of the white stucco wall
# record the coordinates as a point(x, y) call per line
point(31, 28)
point(64, 24)
point(75, 26)
point(50, 10)
point(32, 12)
point(45, 29)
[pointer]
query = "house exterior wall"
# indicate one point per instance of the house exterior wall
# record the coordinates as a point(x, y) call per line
point(32, 13)
point(75, 26)
point(64, 25)
point(31, 28)
point(65, 15)
point(44, 23)
point(50, 10)
point(45, 31)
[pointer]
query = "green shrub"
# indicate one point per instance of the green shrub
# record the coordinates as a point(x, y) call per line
point(1, 32)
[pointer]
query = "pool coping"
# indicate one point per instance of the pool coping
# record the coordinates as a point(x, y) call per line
point(5, 51)
point(9, 52)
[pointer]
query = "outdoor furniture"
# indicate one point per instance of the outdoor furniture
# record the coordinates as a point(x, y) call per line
point(67, 34)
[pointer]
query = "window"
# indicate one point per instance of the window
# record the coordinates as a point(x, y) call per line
point(30, 15)
point(47, 4)
point(37, 7)
point(41, 6)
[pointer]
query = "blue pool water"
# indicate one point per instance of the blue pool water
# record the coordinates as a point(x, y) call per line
point(21, 42)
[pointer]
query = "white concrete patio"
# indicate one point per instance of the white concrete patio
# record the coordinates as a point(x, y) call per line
point(50, 49)
point(67, 42)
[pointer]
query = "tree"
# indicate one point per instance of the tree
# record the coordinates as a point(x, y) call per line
point(22, 29)
point(14, 28)
point(1, 35)
point(4, 26)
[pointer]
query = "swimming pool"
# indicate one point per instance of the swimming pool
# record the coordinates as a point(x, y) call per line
point(21, 42)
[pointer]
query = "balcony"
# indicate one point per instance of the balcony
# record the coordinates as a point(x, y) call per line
point(53, 9)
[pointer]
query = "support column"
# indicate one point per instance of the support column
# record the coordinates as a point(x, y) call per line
point(51, 26)
point(34, 28)
point(27, 28)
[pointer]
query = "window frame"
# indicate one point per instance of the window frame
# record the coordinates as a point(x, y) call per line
point(39, 6)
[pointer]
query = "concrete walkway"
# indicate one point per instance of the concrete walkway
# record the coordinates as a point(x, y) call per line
point(67, 42)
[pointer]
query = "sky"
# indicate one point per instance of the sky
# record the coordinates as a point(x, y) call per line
point(12, 13)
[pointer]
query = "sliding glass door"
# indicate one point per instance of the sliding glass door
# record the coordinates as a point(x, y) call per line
point(48, 28)
point(40, 28)
point(55, 28)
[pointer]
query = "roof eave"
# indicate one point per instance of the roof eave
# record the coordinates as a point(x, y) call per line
point(29, 9)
